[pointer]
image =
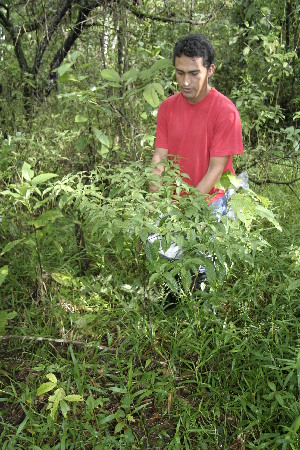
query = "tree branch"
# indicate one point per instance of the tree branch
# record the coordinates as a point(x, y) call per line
point(69, 41)
point(141, 15)
point(267, 181)
point(15, 36)
point(67, 4)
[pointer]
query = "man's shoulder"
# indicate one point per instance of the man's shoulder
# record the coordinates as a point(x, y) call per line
point(221, 100)
point(173, 99)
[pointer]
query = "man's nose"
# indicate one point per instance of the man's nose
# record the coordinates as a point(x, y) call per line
point(186, 80)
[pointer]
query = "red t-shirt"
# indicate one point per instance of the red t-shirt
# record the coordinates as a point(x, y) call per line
point(195, 132)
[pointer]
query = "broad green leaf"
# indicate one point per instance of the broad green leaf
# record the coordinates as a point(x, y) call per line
point(63, 278)
point(272, 386)
point(5, 316)
point(74, 55)
point(51, 377)
point(131, 75)
point(107, 419)
point(101, 137)
point(80, 119)
point(162, 64)
point(46, 217)
point(295, 425)
point(294, 285)
point(148, 362)
point(61, 70)
point(110, 75)
point(154, 277)
point(11, 245)
point(81, 143)
point(171, 282)
point(42, 178)
point(225, 181)
point(64, 407)
point(158, 87)
point(186, 279)
point(27, 173)
point(67, 77)
point(267, 214)
point(74, 398)
point(3, 273)
point(119, 427)
point(54, 400)
point(279, 399)
point(150, 95)
point(45, 387)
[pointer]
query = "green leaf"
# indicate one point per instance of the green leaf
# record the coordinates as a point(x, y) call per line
point(67, 77)
point(21, 426)
point(267, 214)
point(150, 95)
point(3, 273)
point(64, 407)
point(161, 64)
point(81, 143)
point(63, 278)
point(154, 277)
point(27, 173)
point(119, 427)
point(11, 245)
point(80, 119)
point(45, 387)
point(130, 76)
point(158, 87)
point(148, 362)
point(107, 419)
point(57, 397)
point(74, 398)
point(61, 70)
point(279, 399)
point(5, 316)
point(110, 75)
point(101, 137)
point(74, 55)
point(46, 217)
point(42, 178)
point(171, 282)
point(272, 386)
point(51, 377)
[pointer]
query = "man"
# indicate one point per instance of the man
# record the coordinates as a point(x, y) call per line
point(199, 125)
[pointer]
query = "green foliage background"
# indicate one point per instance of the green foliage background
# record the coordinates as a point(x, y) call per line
point(89, 357)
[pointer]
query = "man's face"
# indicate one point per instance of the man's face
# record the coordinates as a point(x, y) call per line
point(192, 77)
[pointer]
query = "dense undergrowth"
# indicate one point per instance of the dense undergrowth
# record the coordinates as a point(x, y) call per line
point(89, 357)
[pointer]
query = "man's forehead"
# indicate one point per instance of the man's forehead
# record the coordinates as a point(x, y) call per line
point(193, 62)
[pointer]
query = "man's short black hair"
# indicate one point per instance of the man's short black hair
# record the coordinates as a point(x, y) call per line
point(195, 45)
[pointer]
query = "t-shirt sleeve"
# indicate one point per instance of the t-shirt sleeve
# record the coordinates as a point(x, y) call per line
point(227, 138)
point(161, 140)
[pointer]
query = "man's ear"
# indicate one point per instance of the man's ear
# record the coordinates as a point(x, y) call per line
point(211, 70)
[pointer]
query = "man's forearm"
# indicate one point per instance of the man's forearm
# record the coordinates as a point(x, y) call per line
point(213, 174)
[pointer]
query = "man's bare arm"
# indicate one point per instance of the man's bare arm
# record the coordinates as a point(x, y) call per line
point(159, 155)
point(213, 174)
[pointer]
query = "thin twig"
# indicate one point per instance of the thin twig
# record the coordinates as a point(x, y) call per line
point(102, 348)
point(57, 341)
